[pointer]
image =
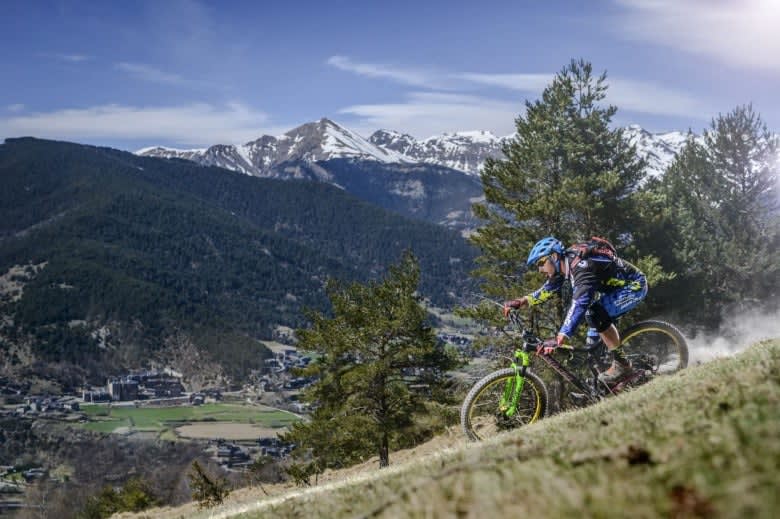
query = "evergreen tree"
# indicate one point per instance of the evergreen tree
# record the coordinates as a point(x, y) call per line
point(378, 364)
point(207, 490)
point(567, 174)
point(135, 495)
point(722, 199)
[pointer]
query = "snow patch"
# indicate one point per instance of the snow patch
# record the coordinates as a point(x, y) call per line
point(410, 189)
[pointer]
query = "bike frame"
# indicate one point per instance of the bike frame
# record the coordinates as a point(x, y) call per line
point(513, 387)
point(571, 378)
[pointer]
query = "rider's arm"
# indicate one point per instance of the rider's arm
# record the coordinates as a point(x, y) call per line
point(584, 286)
point(551, 287)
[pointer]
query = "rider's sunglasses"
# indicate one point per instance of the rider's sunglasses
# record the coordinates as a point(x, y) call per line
point(541, 261)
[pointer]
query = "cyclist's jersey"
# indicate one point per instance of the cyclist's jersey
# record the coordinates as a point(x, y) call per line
point(595, 274)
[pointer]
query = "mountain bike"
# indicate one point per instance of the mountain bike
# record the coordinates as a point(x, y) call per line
point(516, 396)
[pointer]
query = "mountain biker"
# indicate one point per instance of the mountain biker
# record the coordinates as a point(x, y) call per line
point(604, 287)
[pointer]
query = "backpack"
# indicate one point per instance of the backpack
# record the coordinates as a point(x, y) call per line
point(596, 245)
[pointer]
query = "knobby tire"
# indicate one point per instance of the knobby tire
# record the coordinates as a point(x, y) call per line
point(659, 342)
point(480, 416)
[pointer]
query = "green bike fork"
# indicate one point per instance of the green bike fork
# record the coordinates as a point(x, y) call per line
point(514, 386)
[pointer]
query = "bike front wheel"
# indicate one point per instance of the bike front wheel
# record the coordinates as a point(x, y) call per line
point(656, 346)
point(484, 414)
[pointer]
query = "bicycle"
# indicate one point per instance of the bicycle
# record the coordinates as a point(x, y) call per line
point(516, 396)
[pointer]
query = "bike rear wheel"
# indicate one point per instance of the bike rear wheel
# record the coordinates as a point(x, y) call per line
point(656, 346)
point(481, 415)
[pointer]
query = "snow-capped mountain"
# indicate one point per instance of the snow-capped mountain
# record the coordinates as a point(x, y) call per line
point(659, 149)
point(464, 151)
point(171, 153)
point(325, 140)
point(312, 142)
point(327, 152)
point(435, 179)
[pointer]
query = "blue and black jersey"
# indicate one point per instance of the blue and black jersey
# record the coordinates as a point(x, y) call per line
point(621, 285)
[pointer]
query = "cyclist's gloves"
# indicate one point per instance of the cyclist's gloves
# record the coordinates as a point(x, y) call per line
point(548, 346)
point(514, 304)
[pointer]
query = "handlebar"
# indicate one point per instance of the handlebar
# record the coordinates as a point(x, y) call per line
point(530, 340)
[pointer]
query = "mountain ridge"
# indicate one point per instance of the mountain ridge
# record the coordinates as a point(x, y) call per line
point(322, 140)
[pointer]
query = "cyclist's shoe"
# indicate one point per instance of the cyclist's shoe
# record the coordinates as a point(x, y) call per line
point(617, 372)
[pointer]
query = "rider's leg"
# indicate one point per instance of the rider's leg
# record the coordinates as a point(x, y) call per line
point(600, 321)
point(601, 325)
point(611, 337)
point(610, 307)
point(613, 305)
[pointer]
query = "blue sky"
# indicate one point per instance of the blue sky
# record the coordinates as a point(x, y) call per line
point(189, 73)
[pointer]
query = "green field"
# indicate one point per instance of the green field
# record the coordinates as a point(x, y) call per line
point(160, 419)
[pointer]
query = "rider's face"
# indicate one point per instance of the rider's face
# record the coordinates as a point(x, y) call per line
point(548, 267)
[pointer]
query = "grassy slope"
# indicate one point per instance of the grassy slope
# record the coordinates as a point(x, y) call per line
point(704, 443)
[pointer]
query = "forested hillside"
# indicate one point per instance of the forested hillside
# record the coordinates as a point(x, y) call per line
point(422, 191)
point(107, 256)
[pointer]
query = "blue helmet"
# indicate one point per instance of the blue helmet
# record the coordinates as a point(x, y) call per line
point(544, 247)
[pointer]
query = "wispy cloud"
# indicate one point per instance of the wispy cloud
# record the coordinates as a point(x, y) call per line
point(650, 98)
point(433, 112)
point(522, 82)
point(14, 108)
point(195, 124)
point(152, 74)
point(407, 76)
point(428, 113)
point(70, 58)
point(423, 114)
point(627, 94)
point(74, 58)
point(743, 33)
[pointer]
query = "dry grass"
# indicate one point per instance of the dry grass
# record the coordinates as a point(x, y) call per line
point(226, 431)
point(703, 443)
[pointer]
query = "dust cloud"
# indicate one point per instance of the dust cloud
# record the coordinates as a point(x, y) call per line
point(736, 333)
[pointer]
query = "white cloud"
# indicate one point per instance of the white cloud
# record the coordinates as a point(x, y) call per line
point(737, 32)
point(523, 82)
point(148, 73)
point(15, 108)
point(424, 114)
point(194, 124)
point(407, 76)
point(73, 58)
point(651, 98)
point(627, 94)
point(70, 58)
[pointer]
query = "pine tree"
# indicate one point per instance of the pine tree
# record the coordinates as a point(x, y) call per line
point(207, 490)
point(378, 364)
point(722, 197)
point(566, 174)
